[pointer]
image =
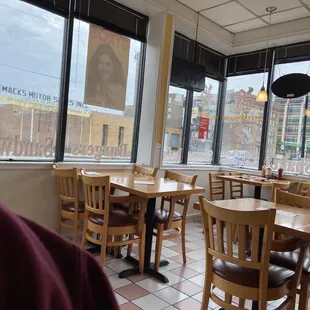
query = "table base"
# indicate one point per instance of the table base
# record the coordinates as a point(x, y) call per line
point(147, 269)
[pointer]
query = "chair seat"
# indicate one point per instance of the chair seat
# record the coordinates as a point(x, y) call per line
point(69, 207)
point(161, 216)
point(116, 219)
point(250, 277)
point(289, 260)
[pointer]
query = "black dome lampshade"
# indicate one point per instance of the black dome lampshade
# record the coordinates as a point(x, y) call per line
point(291, 85)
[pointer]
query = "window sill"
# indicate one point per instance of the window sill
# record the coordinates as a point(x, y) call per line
point(190, 167)
point(6, 165)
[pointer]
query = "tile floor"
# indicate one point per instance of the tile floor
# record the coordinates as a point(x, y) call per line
point(184, 290)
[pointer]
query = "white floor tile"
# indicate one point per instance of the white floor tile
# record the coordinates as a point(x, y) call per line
point(108, 271)
point(192, 246)
point(150, 302)
point(120, 299)
point(200, 242)
point(116, 282)
point(119, 265)
point(173, 278)
point(191, 238)
point(199, 280)
point(169, 243)
point(197, 254)
point(166, 252)
point(170, 295)
point(197, 266)
point(211, 305)
point(172, 265)
point(171, 308)
point(152, 285)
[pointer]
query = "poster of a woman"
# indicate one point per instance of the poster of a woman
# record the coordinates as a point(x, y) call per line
point(106, 76)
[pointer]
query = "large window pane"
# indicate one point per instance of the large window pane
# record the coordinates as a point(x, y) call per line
point(203, 123)
point(174, 125)
point(30, 68)
point(285, 131)
point(243, 119)
point(107, 65)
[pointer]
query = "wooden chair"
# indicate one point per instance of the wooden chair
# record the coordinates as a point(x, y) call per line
point(284, 185)
point(101, 220)
point(217, 187)
point(290, 260)
point(70, 207)
point(170, 219)
point(247, 278)
point(236, 188)
point(303, 188)
point(144, 170)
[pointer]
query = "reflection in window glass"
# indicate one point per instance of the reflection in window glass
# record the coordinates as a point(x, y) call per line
point(174, 125)
point(286, 126)
point(30, 69)
point(243, 119)
point(103, 92)
point(203, 123)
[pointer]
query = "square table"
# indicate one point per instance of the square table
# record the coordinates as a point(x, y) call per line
point(157, 187)
point(256, 181)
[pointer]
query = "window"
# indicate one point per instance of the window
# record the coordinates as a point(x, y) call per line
point(174, 125)
point(30, 70)
point(120, 135)
point(105, 129)
point(286, 149)
point(243, 119)
point(104, 82)
point(204, 115)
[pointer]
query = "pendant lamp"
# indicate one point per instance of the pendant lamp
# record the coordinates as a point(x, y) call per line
point(262, 96)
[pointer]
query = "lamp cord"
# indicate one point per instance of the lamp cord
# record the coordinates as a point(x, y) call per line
point(267, 48)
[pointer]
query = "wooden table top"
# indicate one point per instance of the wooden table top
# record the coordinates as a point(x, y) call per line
point(126, 181)
point(251, 180)
point(291, 221)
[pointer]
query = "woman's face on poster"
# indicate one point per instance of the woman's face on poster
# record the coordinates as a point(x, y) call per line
point(105, 67)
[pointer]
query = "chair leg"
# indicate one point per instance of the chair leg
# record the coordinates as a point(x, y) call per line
point(83, 242)
point(129, 248)
point(117, 249)
point(304, 292)
point(103, 250)
point(207, 285)
point(59, 222)
point(142, 251)
point(228, 298)
point(241, 302)
point(183, 242)
point(159, 244)
point(75, 230)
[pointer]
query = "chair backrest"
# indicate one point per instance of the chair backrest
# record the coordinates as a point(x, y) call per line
point(144, 170)
point(292, 199)
point(284, 185)
point(67, 184)
point(225, 220)
point(188, 179)
point(236, 188)
point(303, 188)
point(217, 187)
point(97, 195)
point(180, 200)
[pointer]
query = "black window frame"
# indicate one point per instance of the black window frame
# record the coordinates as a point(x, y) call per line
point(68, 10)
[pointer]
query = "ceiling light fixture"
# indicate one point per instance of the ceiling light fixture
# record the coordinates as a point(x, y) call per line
point(262, 95)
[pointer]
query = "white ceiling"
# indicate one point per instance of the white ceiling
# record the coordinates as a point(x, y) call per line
point(243, 15)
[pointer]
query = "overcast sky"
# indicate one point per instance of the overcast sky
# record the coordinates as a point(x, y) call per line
point(31, 52)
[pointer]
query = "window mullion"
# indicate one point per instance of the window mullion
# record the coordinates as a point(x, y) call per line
point(187, 125)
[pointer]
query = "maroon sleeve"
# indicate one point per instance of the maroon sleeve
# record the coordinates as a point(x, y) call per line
point(39, 270)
